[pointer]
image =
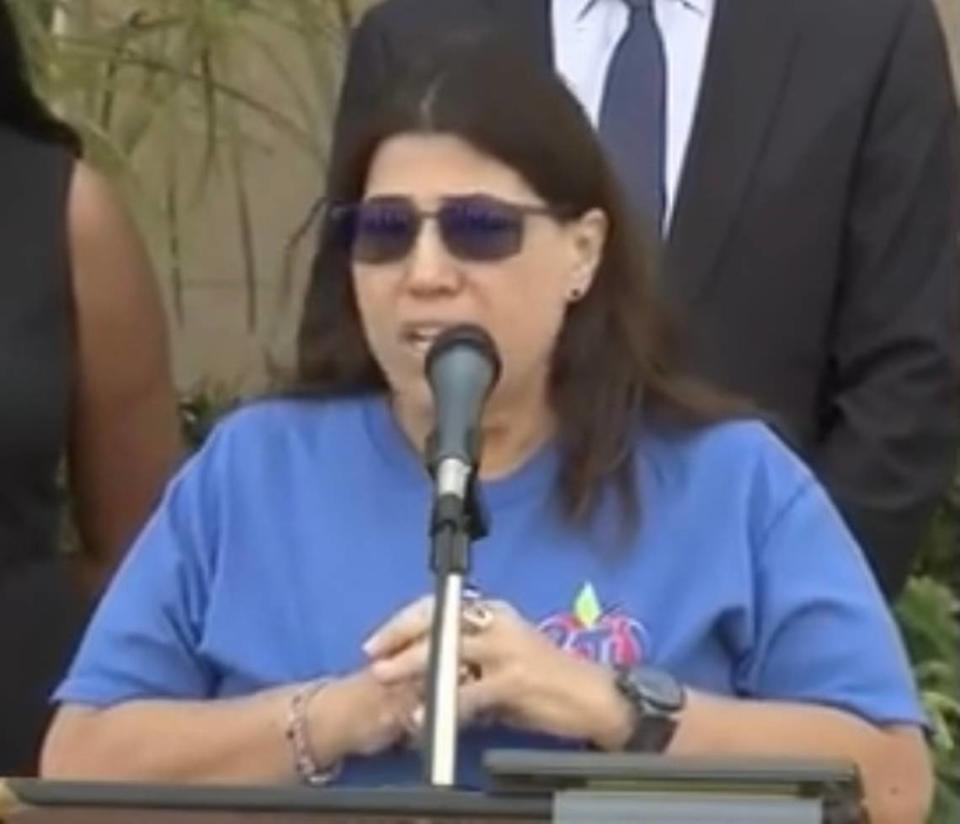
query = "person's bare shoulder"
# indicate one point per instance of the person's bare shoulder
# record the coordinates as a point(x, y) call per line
point(111, 269)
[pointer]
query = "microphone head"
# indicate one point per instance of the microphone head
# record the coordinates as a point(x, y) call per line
point(462, 367)
point(469, 347)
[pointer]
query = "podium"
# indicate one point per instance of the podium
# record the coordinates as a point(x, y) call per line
point(565, 788)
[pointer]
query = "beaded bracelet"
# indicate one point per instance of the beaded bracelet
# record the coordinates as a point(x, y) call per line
point(299, 737)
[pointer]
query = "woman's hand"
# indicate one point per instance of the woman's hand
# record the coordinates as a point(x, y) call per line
point(364, 714)
point(515, 674)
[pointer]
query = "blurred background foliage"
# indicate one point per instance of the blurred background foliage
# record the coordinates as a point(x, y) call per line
point(176, 99)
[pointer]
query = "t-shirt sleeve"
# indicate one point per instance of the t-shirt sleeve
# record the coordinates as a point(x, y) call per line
point(823, 632)
point(145, 636)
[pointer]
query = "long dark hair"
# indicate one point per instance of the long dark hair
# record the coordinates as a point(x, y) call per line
point(617, 361)
point(20, 108)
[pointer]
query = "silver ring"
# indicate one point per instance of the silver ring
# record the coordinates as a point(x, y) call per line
point(477, 617)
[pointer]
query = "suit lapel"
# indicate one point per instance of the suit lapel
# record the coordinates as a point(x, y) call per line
point(750, 52)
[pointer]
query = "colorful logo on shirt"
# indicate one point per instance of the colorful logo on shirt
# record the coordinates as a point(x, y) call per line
point(607, 636)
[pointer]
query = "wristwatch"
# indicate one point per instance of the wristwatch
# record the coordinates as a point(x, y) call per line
point(656, 698)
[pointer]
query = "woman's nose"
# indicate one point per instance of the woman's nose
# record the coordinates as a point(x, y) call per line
point(429, 266)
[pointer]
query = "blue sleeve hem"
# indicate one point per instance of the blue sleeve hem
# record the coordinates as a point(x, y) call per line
point(91, 693)
point(907, 714)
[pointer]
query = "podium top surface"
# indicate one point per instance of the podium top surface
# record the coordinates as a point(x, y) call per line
point(525, 787)
point(30, 801)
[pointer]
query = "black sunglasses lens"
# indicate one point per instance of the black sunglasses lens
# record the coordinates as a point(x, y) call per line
point(341, 227)
point(481, 229)
point(382, 231)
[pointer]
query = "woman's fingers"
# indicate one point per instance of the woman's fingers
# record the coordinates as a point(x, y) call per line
point(408, 625)
point(479, 699)
point(477, 652)
point(410, 662)
point(400, 648)
point(477, 703)
point(483, 650)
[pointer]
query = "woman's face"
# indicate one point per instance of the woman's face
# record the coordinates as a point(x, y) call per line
point(411, 288)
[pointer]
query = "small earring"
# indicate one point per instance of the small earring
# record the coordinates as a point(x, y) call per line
point(575, 294)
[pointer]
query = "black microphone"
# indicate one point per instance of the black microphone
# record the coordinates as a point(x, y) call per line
point(462, 367)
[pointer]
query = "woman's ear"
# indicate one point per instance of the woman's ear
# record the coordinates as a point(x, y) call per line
point(588, 234)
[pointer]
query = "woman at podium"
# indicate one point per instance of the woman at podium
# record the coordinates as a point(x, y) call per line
point(662, 573)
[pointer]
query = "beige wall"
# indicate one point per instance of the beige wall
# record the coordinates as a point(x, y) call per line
point(950, 14)
point(212, 340)
point(212, 337)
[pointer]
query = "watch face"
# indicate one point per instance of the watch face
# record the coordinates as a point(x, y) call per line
point(657, 688)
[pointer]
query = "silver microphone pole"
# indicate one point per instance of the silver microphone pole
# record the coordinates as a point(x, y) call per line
point(462, 367)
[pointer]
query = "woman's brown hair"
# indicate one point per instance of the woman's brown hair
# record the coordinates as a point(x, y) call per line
point(616, 362)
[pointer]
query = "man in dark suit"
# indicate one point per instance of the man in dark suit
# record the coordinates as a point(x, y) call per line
point(809, 196)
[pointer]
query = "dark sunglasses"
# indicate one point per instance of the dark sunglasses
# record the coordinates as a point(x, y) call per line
point(476, 228)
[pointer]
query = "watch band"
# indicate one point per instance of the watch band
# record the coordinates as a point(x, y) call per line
point(656, 698)
point(651, 734)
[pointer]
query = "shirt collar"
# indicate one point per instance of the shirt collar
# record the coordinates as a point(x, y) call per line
point(700, 6)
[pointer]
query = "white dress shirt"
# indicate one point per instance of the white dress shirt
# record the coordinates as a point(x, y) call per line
point(585, 36)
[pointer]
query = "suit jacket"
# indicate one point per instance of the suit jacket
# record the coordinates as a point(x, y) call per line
point(814, 243)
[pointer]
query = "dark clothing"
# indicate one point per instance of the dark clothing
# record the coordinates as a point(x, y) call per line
point(814, 243)
point(42, 618)
point(40, 615)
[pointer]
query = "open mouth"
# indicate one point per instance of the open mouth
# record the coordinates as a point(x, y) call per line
point(420, 337)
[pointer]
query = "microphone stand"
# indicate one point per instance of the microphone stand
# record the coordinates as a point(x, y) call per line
point(458, 518)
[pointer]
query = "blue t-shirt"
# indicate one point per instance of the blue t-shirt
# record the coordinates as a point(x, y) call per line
point(301, 526)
